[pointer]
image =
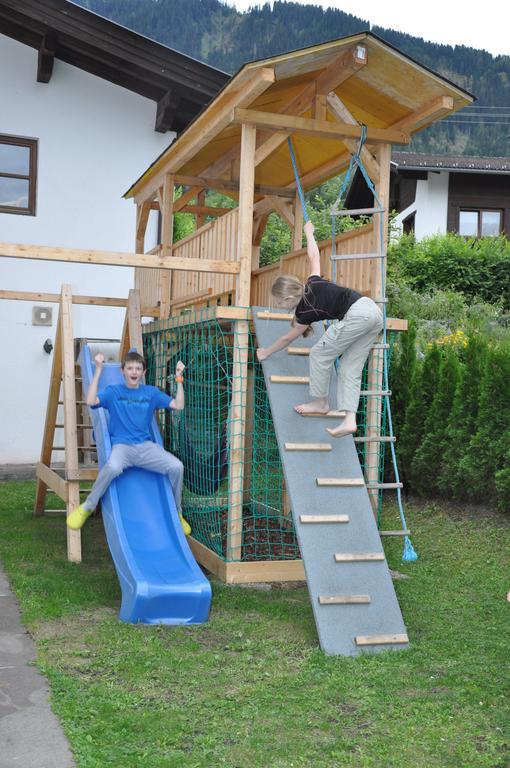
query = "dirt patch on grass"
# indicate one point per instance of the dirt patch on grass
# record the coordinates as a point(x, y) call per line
point(459, 510)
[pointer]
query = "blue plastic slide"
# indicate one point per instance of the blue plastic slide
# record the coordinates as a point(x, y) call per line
point(160, 580)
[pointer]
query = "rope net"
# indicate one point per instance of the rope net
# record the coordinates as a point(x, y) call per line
point(234, 491)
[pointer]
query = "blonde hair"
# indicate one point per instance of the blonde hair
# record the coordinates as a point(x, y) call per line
point(287, 286)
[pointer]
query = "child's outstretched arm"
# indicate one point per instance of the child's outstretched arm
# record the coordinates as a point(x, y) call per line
point(314, 256)
point(295, 331)
point(92, 398)
point(178, 402)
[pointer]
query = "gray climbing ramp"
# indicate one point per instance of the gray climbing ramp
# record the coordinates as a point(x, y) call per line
point(354, 602)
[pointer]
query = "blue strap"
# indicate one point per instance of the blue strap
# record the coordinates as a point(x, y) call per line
point(298, 182)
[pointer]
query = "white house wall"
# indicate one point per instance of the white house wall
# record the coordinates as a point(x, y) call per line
point(94, 139)
point(430, 206)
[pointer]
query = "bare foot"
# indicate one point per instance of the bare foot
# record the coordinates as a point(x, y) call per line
point(340, 431)
point(321, 405)
point(346, 427)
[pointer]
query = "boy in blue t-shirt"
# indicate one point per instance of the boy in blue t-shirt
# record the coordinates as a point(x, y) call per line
point(131, 407)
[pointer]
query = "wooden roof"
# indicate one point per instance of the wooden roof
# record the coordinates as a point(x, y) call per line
point(58, 29)
point(375, 84)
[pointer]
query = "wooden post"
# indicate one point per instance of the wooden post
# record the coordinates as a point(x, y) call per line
point(167, 232)
point(237, 419)
point(375, 365)
point(132, 329)
point(70, 428)
point(51, 415)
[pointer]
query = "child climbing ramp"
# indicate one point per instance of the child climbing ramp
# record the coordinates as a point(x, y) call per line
point(160, 580)
point(351, 590)
point(355, 321)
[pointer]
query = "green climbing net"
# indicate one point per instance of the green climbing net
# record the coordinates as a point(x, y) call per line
point(227, 490)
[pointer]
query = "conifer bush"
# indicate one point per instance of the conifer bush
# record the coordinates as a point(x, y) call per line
point(462, 418)
point(428, 456)
point(488, 449)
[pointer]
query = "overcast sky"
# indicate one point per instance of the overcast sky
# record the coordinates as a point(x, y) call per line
point(483, 25)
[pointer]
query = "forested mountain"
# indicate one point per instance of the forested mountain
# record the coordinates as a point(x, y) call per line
point(225, 38)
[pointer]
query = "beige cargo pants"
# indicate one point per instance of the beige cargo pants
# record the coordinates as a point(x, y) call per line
point(350, 338)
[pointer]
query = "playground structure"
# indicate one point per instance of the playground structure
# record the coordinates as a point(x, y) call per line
point(200, 290)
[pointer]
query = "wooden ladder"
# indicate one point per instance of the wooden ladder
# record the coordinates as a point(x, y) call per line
point(72, 420)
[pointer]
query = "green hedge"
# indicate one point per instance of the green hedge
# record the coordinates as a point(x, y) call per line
point(454, 432)
point(477, 268)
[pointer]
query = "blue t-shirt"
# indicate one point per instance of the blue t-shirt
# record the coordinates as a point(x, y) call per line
point(131, 411)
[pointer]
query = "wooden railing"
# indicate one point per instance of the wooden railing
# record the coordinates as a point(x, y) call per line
point(357, 274)
point(218, 240)
point(215, 240)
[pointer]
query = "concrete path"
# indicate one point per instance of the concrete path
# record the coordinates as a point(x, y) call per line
point(30, 734)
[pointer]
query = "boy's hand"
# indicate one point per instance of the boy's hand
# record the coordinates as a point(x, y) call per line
point(99, 360)
point(179, 368)
point(309, 229)
point(262, 354)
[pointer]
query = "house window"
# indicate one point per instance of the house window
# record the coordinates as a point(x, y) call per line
point(408, 224)
point(480, 223)
point(18, 170)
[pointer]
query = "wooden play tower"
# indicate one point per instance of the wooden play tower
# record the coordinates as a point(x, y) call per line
point(319, 96)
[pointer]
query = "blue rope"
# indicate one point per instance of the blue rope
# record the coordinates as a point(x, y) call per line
point(298, 181)
point(409, 553)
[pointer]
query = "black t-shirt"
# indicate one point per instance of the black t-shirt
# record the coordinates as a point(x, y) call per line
point(324, 300)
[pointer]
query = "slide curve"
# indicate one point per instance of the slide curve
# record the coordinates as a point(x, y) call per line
point(160, 580)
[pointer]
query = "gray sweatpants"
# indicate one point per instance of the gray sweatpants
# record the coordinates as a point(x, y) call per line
point(146, 455)
point(351, 338)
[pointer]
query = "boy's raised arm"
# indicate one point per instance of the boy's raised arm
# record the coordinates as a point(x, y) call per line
point(178, 402)
point(92, 398)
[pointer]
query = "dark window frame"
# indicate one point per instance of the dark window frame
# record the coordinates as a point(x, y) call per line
point(479, 212)
point(19, 141)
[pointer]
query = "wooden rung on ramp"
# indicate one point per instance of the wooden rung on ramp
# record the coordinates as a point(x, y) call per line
point(360, 557)
point(308, 446)
point(381, 639)
point(403, 532)
point(340, 482)
point(306, 519)
point(344, 599)
point(276, 379)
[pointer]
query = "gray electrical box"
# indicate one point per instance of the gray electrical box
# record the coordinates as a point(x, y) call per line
point(42, 316)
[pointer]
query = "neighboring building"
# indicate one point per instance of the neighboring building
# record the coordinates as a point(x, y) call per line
point(86, 106)
point(436, 194)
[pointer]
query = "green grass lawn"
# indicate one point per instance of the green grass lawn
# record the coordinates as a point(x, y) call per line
point(251, 689)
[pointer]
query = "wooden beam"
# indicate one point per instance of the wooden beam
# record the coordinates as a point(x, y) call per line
point(92, 301)
point(322, 128)
point(342, 68)
point(46, 57)
point(340, 111)
point(167, 236)
point(148, 260)
point(222, 185)
point(208, 125)
point(166, 110)
point(142, 218)
point(433, 110)
point(70, 426)
point(205, 210)
point(184, 199)
point(237, 417)
point(51, 416)
point(51, 480)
